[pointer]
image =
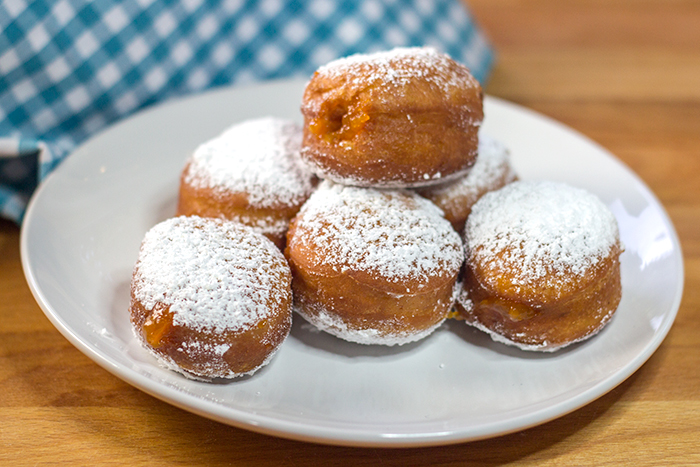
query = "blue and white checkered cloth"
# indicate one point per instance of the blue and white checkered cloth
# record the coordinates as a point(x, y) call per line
point(70, 67)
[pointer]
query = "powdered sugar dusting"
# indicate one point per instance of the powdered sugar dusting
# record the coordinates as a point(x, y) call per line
point(258, 157)
point(492, 165)
point(328, 173)
point(394, 234)
point(397, 67)
point(215, 275)
point(540, 233)
point(266, 225)
point(331, 323)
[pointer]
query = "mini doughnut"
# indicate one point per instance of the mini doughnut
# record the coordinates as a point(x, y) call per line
point(252, 174)
point(406, 117)
point(371, 266)
point(210, 298)
point(491, 171)
point(542, 265)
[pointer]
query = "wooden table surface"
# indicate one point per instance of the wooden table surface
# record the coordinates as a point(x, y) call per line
point(626, 73)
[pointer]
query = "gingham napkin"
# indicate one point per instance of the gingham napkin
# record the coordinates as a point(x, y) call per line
point(70, 67)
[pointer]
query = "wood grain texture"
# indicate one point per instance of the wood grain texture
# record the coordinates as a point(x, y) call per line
point(626, 73)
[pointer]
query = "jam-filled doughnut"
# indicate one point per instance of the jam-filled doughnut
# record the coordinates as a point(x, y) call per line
point(210, 298)
point(405, 117)
point(542, 265)
point(372, 266)
point(250, 173)
point(491, 171)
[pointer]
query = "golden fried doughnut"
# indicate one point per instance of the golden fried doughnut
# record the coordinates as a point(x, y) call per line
point(542, 265)
point(210, 298)
point(402, 118)
point(371, 266)
point(252, 174)
point(491, 171)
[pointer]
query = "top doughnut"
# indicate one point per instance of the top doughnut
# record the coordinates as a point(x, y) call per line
point(407, 117)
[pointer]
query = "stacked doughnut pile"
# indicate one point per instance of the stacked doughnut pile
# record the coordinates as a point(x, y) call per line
point(387, 213)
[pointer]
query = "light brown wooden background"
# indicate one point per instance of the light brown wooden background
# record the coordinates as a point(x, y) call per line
point(625, 73)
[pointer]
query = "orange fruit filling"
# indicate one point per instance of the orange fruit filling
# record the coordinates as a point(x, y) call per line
point(338, 122)
point(516, 311)
point(157, 327)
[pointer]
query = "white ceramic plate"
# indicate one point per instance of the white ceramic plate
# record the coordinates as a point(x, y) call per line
point(81, 237)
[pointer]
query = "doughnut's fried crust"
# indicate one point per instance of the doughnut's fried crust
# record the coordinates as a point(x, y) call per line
point(544, 324)
point(204, 201)
point(491, 171)
point(542, 265)
point(372, 267)
point(210, 298)
point(407, 117)
point(251, 173)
